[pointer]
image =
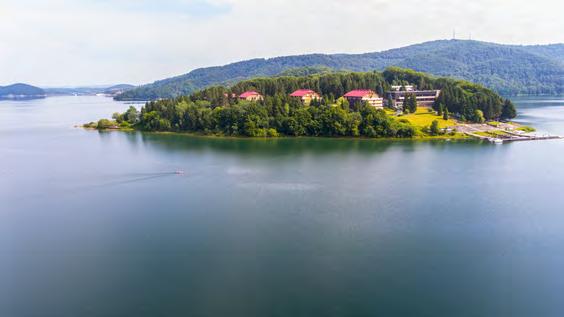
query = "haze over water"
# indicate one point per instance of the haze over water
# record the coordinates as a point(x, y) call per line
point(98, 224)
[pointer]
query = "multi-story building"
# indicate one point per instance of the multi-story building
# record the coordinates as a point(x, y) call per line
point(365, 95)
point(425, 98)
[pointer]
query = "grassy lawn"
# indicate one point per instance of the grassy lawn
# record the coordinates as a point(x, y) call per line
point(422, 118)
point(526, 129)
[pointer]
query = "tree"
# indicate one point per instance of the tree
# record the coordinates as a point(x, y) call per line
point(508, 110)
point(434, 129)
point(390, 103)
point(131, 115)
point(118, 117)
point(104, 124)
point(479, 116)
point(412, 103)
point(217, 110)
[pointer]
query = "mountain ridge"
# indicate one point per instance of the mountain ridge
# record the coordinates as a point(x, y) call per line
point(508, 69)
point(20, 90)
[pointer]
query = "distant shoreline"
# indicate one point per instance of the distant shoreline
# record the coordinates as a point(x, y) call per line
point(22, 97)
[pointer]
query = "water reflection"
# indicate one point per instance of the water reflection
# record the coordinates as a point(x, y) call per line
point(277, 146)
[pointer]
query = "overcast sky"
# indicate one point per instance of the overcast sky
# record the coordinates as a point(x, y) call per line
point(85, 42)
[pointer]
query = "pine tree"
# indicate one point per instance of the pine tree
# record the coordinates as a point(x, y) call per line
point(435, 128)
point(445, 114)
point(390, 103)
point(412, 103)
point(508, 110)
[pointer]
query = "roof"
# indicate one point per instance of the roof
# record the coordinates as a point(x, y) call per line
point(359, 93)
point(303, 92)
point(247, 94)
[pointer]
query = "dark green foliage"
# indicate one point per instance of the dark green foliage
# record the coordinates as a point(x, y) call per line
point(131, 115)
point(390, 103)
point(405, 105)
point(411, 103)
point(306, 71)
point(508, 69)
point(446, 115)
point(434, 128)
point(440, 109)
point(508, 110)
point(215, 111)
point(270, 118)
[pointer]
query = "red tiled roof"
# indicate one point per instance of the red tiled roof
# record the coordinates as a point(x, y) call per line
point(359, 93)
point(247, 94)
point(303, 92)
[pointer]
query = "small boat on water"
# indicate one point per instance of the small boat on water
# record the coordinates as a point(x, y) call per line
point(179, 172)
point(496, 140)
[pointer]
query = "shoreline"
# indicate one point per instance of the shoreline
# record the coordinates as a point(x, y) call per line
point(448, 138)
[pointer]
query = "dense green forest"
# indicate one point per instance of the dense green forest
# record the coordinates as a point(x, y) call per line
point(217, 110)
point(507, 69)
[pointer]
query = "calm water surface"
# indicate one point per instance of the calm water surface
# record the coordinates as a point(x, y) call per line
point(98, 224)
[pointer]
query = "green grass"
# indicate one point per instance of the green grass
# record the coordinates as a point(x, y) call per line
point(450, 136)
point(422, 118)
point(526, 129)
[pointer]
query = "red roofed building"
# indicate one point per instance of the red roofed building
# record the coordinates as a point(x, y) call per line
point(365, 95)
point(306, 95)
point(251, 96)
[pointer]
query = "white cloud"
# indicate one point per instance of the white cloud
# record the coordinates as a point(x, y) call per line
point(101, 41)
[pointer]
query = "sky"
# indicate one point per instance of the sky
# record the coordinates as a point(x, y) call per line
point(93, 42)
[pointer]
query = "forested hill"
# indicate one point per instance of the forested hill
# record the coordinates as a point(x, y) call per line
point(218, 111)
point(508, 69)
point(21, 91)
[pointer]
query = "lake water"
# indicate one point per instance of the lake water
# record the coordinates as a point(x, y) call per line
point(98, 224)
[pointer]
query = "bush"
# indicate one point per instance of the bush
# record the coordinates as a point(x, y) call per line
point(125, 125)
point(105, 124)
point(91, 125)
point(272, 133)
point(434, 128)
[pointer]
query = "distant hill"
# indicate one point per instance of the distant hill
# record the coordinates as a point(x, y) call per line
point(508, 69)
point(82, 91)
point(17, 91)
point(118, 89)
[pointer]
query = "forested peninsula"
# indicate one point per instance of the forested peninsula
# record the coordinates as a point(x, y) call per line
point(274, 112)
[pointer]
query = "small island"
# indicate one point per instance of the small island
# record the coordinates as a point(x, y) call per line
point(397, 103)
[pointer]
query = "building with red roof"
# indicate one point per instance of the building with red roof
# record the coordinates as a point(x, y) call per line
point(251, 96)
point(365, 95)
point(306, 95)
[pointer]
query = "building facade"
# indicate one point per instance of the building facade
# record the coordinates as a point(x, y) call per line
point(364, 95)
point(251, 96)
point(425, 98)
point(306, 95)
